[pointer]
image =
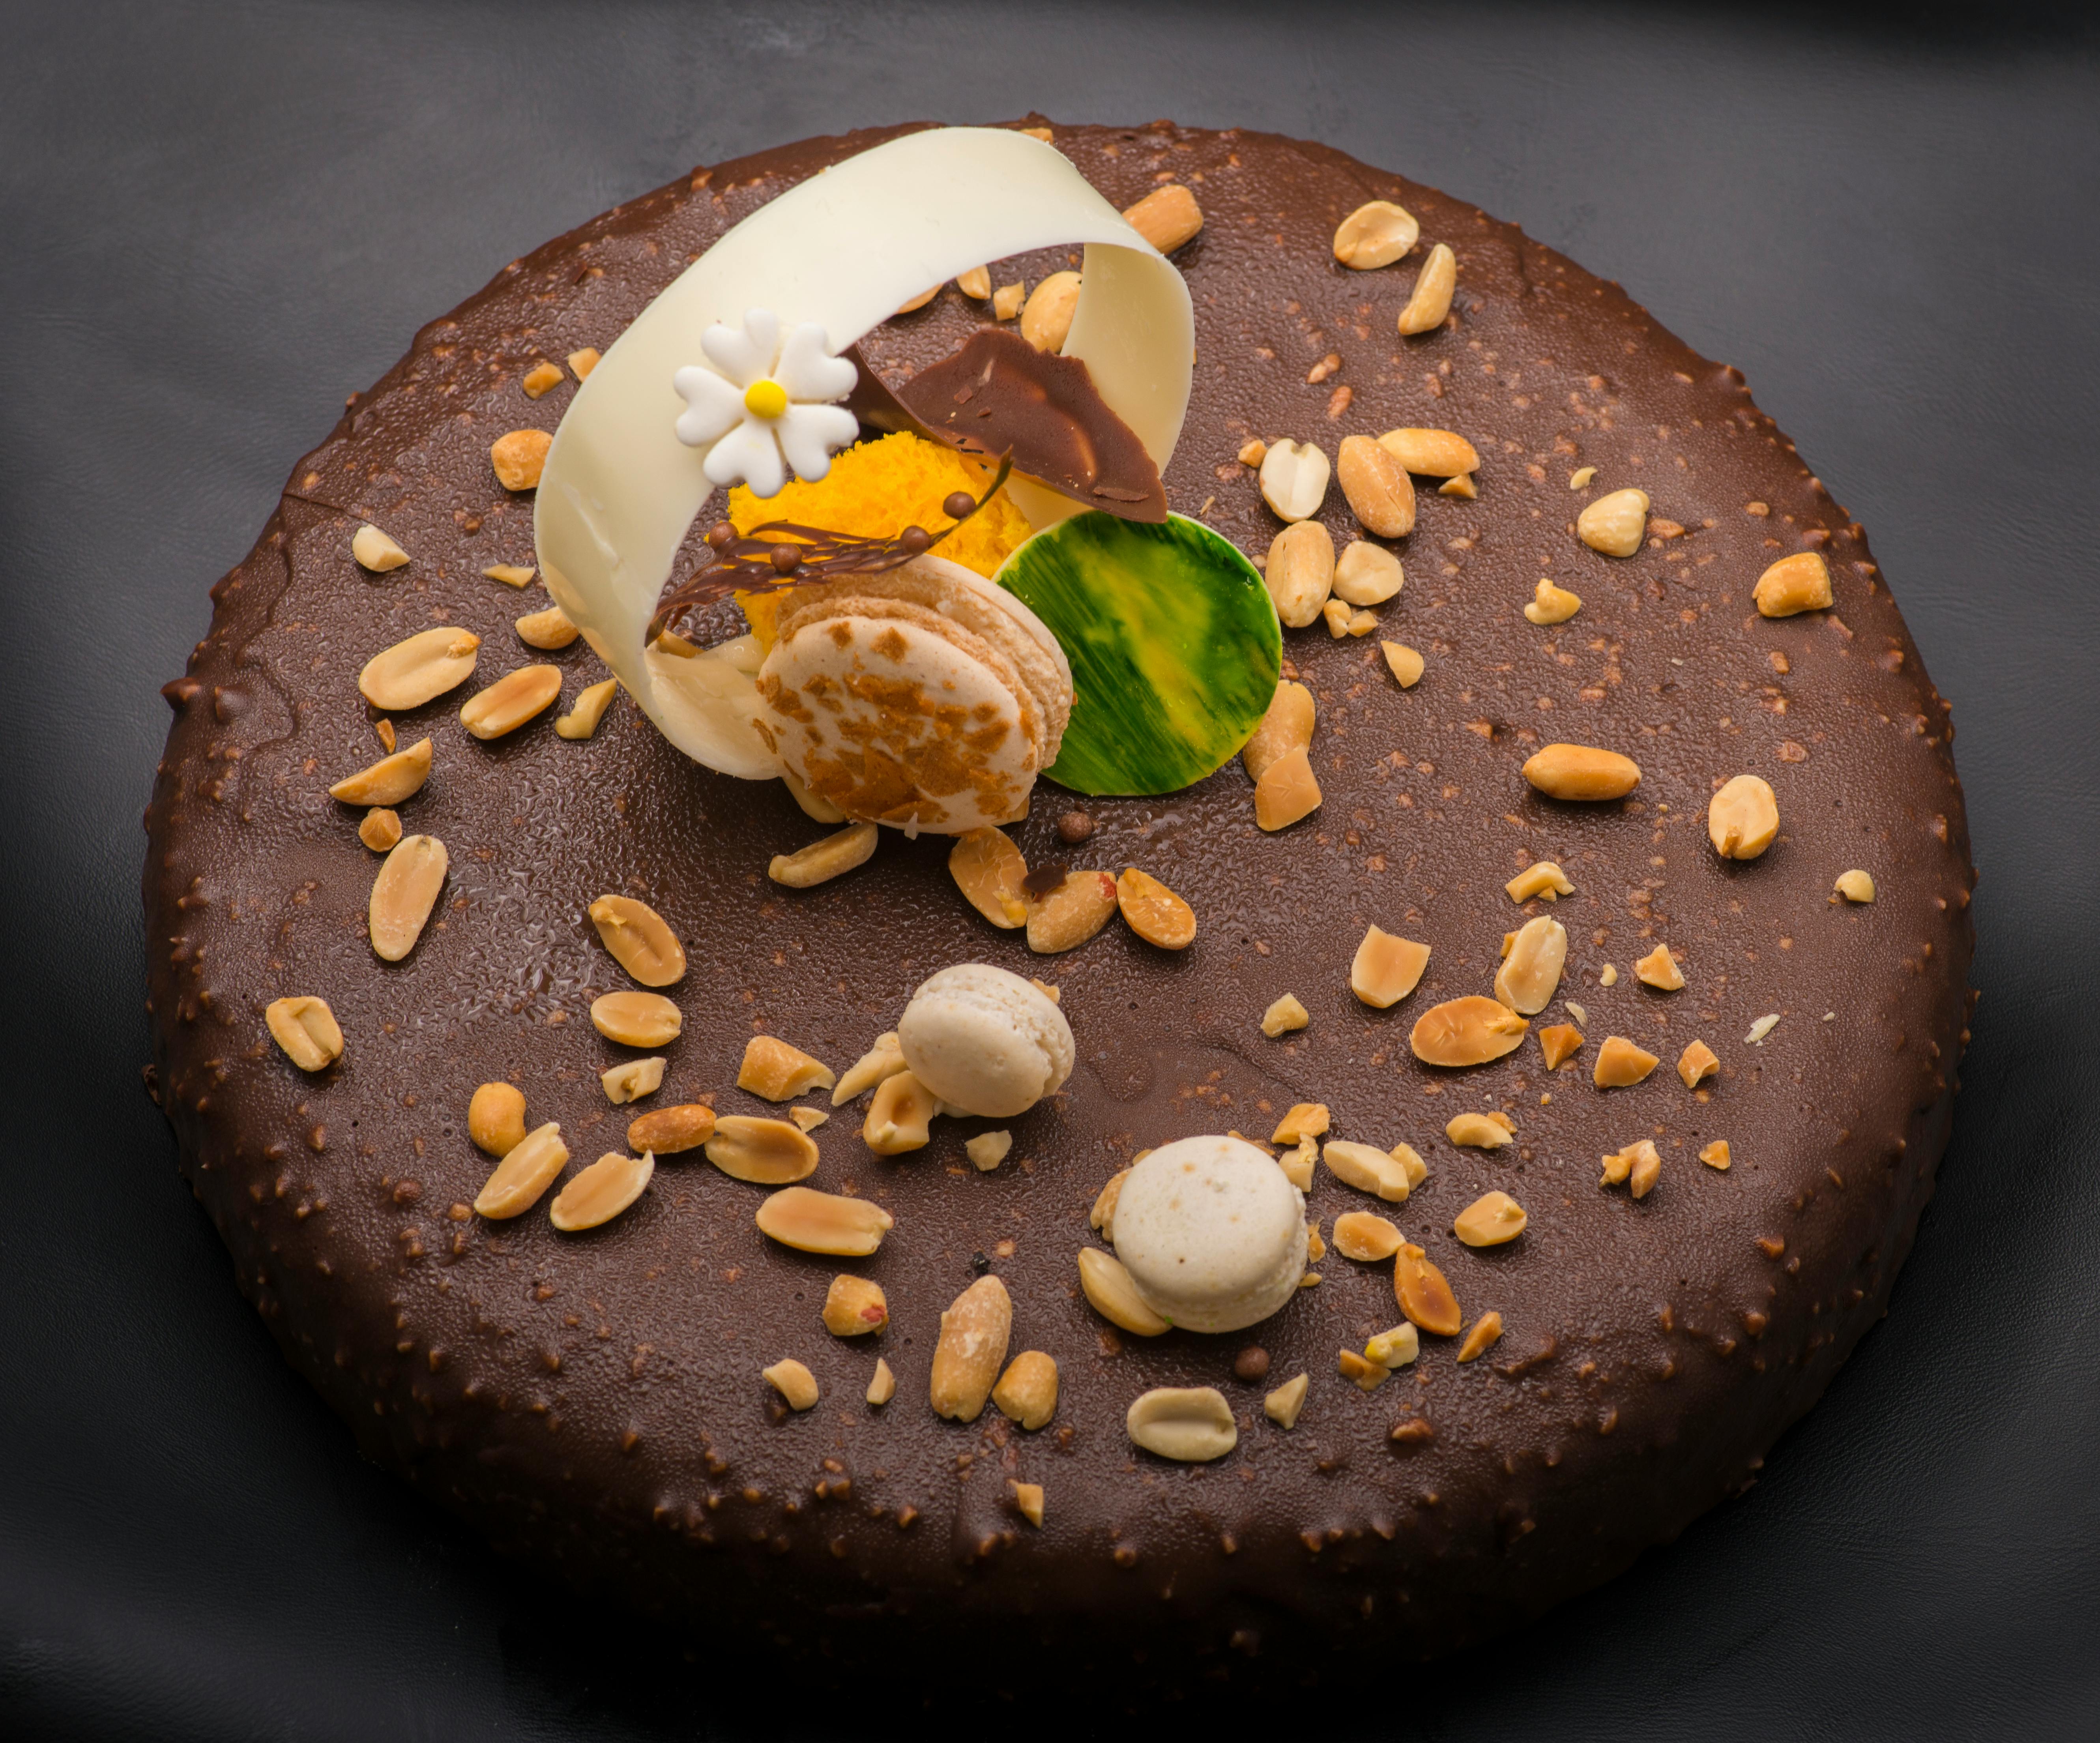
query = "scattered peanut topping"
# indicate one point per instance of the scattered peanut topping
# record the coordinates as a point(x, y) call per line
point(1102, 1215)
point(1404, 662)
point(1638, 1165)
point(1285, 1015)
point(882, 1387)
point(1579, 478)
point(526, 1170)
point(1299, 572)
point(1045, 319)
point(1027, 1499)
point(1743, 817)
point(1715, 1155)
point(1486, 1329)
point(1072, 913)
point(519, 458)
point(1367, 573)
point(1467, 1031)
point(976, 282)
point(988, 1149)
point(540, 378)
point(582, 362)
point(1385, 968)
point(383, 730)
point(496, 1118)
point(1659, 969)
point(765, 1152)
point(1856, 886)
point(1461, 485)
point(512, 700)
point(1544, 879)
point(1190, 1423)
point(1107, 1285)
point(639, 940)
point(1696, 1063)
point(1581, 1016)
point(1621, 1064)
point(1614, 524)
point(774, 1071)
point(1375, 235)
point(1167, 217)
point(1365, 1235)
point(1154, 911)
point(822, 1222)
point(1306, 1119)
point(592, 702)
point(601, 1192)
point(967, 1360)
point(794, 1382)
point(1582, 772)
point(631, 1082)
point(1490, 1221)
point(1251, 452)
point(1367, 1375)
point(1799, 583)
point(306, 1029)
point(549, 629)
point(374, 550)
point(427, 664)
point(1424, 1296)
point(1434, 453)
point(1294, 479)
point(1297, 1165)
point(1761, 1028)
point(1558, 1042)
point(919, 302)
point(1390, 1175)
point(1431, 300)
point(1315, 1248)
point(899, 1116)
point(1006, 301)
point(636, 1019)
point(853, 1307)
point(1286, 727)
point(1394, 1349)
point(1380, 494)
point(1550, 604)
point(669, 1131)
point(1608, 975)
point(1282, 1406)
point(884, 1059)
point(1481, 1130)
point(404, 893)
point(808, 1119)
point(1287, 793)
point(1342, 620)
point(380, 830)
point(988, 868)
point(1530, 974)
point(511, 574)
point(1027, 1391)
point(822, 861)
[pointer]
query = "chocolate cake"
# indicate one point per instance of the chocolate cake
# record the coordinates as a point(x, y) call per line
point(595, 1403)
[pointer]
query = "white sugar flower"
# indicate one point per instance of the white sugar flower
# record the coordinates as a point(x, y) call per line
point(763, 400)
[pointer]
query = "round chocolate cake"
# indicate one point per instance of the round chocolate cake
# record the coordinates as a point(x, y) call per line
point(1634, 1243)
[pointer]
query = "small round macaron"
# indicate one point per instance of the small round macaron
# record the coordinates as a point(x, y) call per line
point(1212, 1233)
point(985, 1041)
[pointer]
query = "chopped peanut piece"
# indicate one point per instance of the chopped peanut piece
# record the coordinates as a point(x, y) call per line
point(1481, 1130)
point(1659, 969)
point(1365, 1236)
point(1424, 1296)
point(1307, 1119)
point(1154, 911)
point(1579, 478)
point(582, 362)
point(1027, 1499)
point(1550, 604)
point(1282, 1406)
point(883, 1387)
point(1287, 793)
point(1252, 452)
point(1638, 1165)
point(1486, 1330)
point(853, 1307)
point(1396, 1347)
point(1286, 727)
point(822, 861)
point(1006, 301)
point(1614, 525)
point(976, 282)
point(1544, 879)
point(1490, 1221)
point(1857, 886)
point(1461, 486)
point(897, 1117)
point(1045, 318)
point(519, 457)
point(511, 574)
point(1430, 302)
point(1743, 817)
point(1167, 217)
point(1367, 573)
point(1385, 968)
point(1558, 1042)
point(988, 1149)
point(1467, 1031)
point(1696, 1063)
point(793, 1382)
point(1368, 1376)
point(1285, 1015)
point(1795, 583)
point(774, 1071)
point(592, 702)
point(884, 1059)
point(1391, 1175)
point(1715, 1155)
point(1027, 1392)
point(1582, 772)
point(1403, 662)
point(1621, 1064)
point(1297, 1165)
point(540, 378)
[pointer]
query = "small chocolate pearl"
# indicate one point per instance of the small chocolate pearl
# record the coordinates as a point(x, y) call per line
point(959, 504)
point(786, 558)
point(981, 1265)
point(1252, 1364)
point(1075, 826)
point(915, 539)
point(721, 536)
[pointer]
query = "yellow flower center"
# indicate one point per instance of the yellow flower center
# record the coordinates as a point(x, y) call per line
point(765, 398)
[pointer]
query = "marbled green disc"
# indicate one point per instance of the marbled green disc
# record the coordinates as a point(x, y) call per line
point(1174, 644)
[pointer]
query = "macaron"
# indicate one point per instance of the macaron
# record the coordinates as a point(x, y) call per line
point(985, 1041)
point(922, 697)
point(1211, 1232)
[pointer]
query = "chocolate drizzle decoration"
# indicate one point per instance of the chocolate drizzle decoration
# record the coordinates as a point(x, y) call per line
point(787, 553)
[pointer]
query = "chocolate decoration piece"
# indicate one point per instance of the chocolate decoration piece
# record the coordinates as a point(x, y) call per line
point(593, 1404)
point(1000, 396)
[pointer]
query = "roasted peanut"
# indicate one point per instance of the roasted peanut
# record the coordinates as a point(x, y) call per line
point(1614, 524)
point(601, 1192)
point(639, 940)
point(519, 457)
point(766, 1152)
point(823, 1222)
point(1380, 493)
point(1743, 817)
point(527, 1170)
point(822, 861)
point(1434, 453)
point(1431, 300)
point(1582, 772)
point(898, 1117)
point(1167, 217)
point(512, 700)
point(988, 868)
point(668, 1131)
point(374, 550)
point(388, 781)
point(1424, 1296)
point(1299, 572)
point(636, 1019)
point(1368, 574)
point(1027, 1392)
point(1386, 1173)
point(306, 1029)
point(1489, 1220)
point(774, 1071)
point(1107, 1287)
point(795, 1383)
point(1191, 1423)
point(1375, 235)
point(496, 1117)
point(1467, 1031)
point(972, 1345)
point(1294, 479)
point(853, 1307)
point(632, 1080)
point(411, 672)
point(550, 629)
point(1154, 911)
point(592, 702)
point(1287, 793)
point(1072, 913)
point(1287, 726)
point(404, 893)
point(1799, 583)
point(1621, 1064)
point(1045, 319)
point(1481, 1130)
point(1365, 1235)
point(884, 1059)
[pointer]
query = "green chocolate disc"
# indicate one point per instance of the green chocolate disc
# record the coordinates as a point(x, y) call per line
point(1174, 644)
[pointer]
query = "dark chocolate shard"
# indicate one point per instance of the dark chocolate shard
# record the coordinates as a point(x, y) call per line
point(1042, 409)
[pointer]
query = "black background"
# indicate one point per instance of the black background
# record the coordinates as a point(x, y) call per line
point(216, 220)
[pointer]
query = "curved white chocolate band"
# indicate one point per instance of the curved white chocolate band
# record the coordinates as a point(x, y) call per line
point(844, 249)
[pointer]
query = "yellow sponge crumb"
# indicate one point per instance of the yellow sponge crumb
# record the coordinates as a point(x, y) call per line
point(874, 490)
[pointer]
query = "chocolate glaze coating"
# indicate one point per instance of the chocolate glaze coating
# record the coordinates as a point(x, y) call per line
point(592, 1403)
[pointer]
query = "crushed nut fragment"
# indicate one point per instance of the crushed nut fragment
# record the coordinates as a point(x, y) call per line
point(374, 550)
point(519, 457)
point(1614, 524)
point(1390, 1175)
point(972, 1346)
point(1621, 1064)
point(1108, 1287)
point(1638, 1165)
point(582, 362)
point(1481, 1130)
point(1027, 1392)
point(527, 1169)
point(511, 574)
point(1856, 886)
point(306, 1029)
point(1544, 879)
point(669, 1131)
point(854, 1306)
point(988, 868)
point(823, 1222)
point(1530, 974)
point(1696, 1063)
point(1192, 1425)
point(1715, 1155)
point(1365, 1235)
point(1550, 604)
point(1167, 217)
point(1286, 727)
point(1154, 911)
point(884, 1059)
point(1006, 301)
point(1461, 485)
point(411, 672)
point(639, 940)
point(1423, 1294)
point(1659, 969)
point(632, 1081)
point(765, 1152)
point(1486, 1330)
point(1367, 573)
point(794, 1382)
point(1385, 968)
point(1743, 817)
point(1251, 452)
point(976, 282)
point(404, 893)
point(1761, 1028)
point(549, 629)
point(1467, 1031)
point(1492, 1220)
point(1297, 1164)
point(512, 700)
point(1558, 1042)
point(601, 1192)
point(1285, 1015)
point(380, 829)
point(1102, 1215)
point(1367, 1375)
point(1582, 772)
point(1306, 1119)
point(592, 702)
point(1404, 662)
point(1795, 583)
point(1045, 318)
point(1027, 1499)
point(1430, 302)
point(774, 1071)
point(882, 1388)
point(1294, 479)
point(1396, 1347)
point(539, 378)
point(636, 1019)
point(1282, 1406)
point(1287, 793)
point(808, 1119)
point(899, 1116)
point(822, 861)
point(1375, 235)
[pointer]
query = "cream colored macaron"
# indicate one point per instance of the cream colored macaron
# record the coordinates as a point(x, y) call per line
point(985, 1041)
point(1212, 1233)
point(923, 697)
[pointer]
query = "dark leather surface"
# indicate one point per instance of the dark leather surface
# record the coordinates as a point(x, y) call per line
point(220, 219)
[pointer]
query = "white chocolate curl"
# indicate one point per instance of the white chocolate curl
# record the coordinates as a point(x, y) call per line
point(620, 491)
